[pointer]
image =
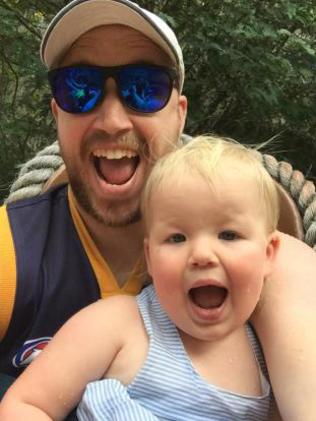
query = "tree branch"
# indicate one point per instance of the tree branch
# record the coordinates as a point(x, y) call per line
point(21, 19)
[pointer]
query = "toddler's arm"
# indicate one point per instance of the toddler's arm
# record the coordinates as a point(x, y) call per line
point(285, 321)
point(80, 352)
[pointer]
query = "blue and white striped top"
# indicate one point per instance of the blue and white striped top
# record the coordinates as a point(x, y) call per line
point(167, 387)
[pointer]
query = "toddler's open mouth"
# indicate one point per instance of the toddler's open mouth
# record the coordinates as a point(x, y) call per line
point(208, 296)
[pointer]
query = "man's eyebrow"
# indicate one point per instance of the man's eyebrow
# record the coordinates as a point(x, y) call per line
point(144, 62)
point(134, 62)
point(149, 63)
point(140, 62)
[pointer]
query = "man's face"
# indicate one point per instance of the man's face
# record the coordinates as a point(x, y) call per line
point(108, 151)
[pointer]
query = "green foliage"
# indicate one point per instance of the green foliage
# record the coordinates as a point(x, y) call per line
point(25, 120)
point(250, 70)
point(250, 74)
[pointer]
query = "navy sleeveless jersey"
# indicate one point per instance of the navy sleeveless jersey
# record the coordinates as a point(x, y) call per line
point(54, 277)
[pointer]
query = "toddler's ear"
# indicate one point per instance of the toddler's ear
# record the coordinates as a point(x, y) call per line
point(272, 251)
point(147, 255)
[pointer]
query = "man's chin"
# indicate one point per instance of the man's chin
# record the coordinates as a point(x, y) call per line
point(114, 215)
point(116, 220)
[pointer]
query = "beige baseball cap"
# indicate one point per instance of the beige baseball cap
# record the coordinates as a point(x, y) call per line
point(79, 16)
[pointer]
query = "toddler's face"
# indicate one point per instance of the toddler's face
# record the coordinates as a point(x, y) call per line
point(208, 252)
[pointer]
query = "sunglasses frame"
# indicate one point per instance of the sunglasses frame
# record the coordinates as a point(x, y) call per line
point(111, 72)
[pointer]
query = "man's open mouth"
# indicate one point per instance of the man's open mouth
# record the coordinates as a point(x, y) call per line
point(208, 296)
point(116, 167)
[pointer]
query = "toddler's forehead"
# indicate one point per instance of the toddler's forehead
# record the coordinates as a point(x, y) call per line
point(224, 172)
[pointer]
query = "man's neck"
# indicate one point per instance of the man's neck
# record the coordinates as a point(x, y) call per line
point(121, 247)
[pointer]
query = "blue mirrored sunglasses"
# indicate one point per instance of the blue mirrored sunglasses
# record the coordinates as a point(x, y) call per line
point(142, 88)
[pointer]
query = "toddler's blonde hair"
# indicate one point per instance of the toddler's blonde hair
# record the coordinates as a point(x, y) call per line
point(212, 157)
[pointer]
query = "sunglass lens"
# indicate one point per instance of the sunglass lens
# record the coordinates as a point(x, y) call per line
point(145, 89)
point(77, 89)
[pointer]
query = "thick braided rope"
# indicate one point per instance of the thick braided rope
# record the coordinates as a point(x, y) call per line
point(301, 190)
point(34, 174)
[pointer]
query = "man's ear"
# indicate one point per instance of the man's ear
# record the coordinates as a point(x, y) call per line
point(54, 108)
point(272, 251)
point(182, 106)
point(147, 255)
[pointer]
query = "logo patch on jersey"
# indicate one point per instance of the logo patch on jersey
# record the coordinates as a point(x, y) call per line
point(29, 351)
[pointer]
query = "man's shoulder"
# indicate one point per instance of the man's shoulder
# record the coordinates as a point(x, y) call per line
point(25, 226)
point(28, 228)
point(55, 195)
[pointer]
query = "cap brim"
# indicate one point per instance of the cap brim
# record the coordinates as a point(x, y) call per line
point(71, 23)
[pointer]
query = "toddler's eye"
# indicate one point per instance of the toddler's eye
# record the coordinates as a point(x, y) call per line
point(228, 235)
point(176, 238)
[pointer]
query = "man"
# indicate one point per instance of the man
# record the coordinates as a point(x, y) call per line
point(92, 231)
point(116, 73)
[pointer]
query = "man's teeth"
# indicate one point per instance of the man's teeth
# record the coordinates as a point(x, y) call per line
point(115, 153)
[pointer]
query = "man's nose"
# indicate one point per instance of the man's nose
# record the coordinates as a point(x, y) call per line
point(113, 117)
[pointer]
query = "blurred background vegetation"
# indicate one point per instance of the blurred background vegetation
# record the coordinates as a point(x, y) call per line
point(250, 64)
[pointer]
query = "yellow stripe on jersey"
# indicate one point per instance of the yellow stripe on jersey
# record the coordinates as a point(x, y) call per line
point(7, 272)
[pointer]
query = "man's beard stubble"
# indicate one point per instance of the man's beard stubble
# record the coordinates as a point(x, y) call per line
point(112, 216)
